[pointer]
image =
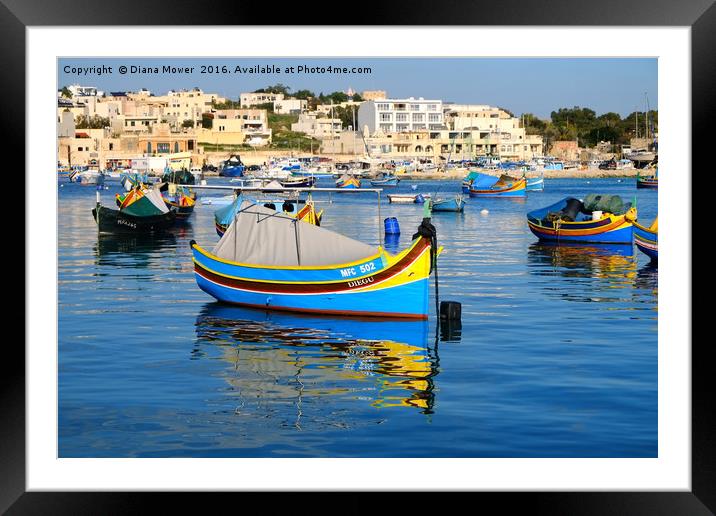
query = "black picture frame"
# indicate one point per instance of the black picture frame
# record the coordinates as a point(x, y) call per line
point(700, 15)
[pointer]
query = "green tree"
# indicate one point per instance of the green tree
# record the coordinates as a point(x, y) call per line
point(94, 122)
point(304, 94)
point(276, 88)
point(66, 93)
point(187, 123)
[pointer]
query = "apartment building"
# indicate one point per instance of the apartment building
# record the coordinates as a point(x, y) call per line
point(401, 115)
point(317, 127)
point(290, 106)
point(237, 126)
point(255, 99)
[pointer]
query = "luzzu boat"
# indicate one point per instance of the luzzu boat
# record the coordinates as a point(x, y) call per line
point(505, 186)
point(647, 239)
point(140, 211)
point(599, 219)
point(648, 181)
point(348, 182)
point(478, 181)
point(181, 200)
point(308, 213)
point(272, 261)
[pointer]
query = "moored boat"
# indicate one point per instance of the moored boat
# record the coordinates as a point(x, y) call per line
point(505, 186)
point(181, 200)
point(310, 269)
point(348, 181)
point(140, 211)
point(408, 198)
point(599, 219)
point(232, 167)
point(648, 181)
point(535, 184)
point(301, 182)
point(647, 239)
point(386, 181)
point(454, 204)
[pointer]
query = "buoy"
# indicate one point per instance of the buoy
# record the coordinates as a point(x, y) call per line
point(391, 226)
point(450, 311)
point(484, 211)
point(203, 182)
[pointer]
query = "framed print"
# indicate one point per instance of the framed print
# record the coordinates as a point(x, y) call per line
point(361, 253)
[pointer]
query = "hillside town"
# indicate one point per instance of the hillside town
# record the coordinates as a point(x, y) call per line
point(193, 128)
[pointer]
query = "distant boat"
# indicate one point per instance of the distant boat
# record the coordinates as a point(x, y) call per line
point(648, 181)
point(385, 182)
point(140, 211)
point(301, 182)
point(454, 204)
point(347, 181)
point(408, 198)
point(599, 219)
point(232, 167)
point(89, 177)
point(505, 186)
point(130, 179)
point(535, 184)
point(181, 200)
point(647, 239)
point(310, 269)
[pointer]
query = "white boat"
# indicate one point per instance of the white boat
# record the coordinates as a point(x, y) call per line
point(407, 198)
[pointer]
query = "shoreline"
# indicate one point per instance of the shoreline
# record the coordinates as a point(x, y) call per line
point(453, 175)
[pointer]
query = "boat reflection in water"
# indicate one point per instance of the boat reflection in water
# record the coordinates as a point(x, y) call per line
point(598, 270)
point(130, 250)
point(296, 361)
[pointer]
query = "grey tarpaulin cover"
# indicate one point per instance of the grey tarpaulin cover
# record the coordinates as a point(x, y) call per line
point(262, 236)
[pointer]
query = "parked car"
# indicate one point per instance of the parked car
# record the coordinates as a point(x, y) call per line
point(608, 165)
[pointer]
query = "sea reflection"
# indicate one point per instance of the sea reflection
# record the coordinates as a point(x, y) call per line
point(281, 360)
point(596, 271)
point(131, 250)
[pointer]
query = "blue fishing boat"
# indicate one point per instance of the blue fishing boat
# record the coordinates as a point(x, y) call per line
point(454, 204)
point(131, 179)
point(232, 167)
point(505, 186)
point(535, 184)
point(269, 260)
point(224, 216)
point(385, 182)
point(647, 239)
point(599, 219)
point(478, 180)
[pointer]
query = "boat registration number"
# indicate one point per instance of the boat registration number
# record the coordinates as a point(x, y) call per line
point(352, 271)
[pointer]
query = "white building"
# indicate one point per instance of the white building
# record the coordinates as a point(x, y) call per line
point(84, 91)
point(289, 106)
point(312, 125)
point(255, 99)
point(401, 115)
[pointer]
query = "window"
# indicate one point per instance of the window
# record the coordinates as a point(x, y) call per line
point(163, 147)
point(401, 128)
point(386, 117)
point(414, 107)
point(433, 117)
point(401, 117)
point(432, 107)
point(418, 117)
point(111, 146)
point(176, 147)
point(383, 107)
point(386, 128)
point(149, 147)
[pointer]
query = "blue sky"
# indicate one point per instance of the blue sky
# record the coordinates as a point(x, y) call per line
point(522, 85)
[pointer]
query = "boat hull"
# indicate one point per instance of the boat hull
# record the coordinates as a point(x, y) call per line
point(647, 183)
point(535, 184)
point(398, 290)
point(610, 230)
point(453, 205)
point(516, 189)
point(114, 221)
point(647, 241)
point(232, 171)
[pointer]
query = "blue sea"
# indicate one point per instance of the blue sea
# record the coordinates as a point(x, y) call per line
point(556, 355)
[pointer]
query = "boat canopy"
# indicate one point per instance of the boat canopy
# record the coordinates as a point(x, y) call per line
point(225, 215)
point(261, 236)
point(484, 181)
